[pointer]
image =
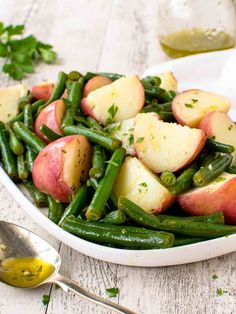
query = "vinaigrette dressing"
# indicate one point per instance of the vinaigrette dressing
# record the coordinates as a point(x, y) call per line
point(25, 271)
point(195, 40)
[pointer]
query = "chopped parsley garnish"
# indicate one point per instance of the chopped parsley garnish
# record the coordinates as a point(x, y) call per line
point(188, 105)
point(112, 292)
point(140, 139)
point(220, 292)
point(219, 179)
point(112, 112)
point(143, 184)
point(214, 277)
point(131, 139)
point(45, 299)
point(194, 100)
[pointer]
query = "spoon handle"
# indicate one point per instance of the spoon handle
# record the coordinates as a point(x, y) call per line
point(70, 285)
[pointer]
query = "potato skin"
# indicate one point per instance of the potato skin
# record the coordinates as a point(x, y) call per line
point(215, 197)
point(61, 166)
point(51, 116)
point(42, 91)
point(95, 83)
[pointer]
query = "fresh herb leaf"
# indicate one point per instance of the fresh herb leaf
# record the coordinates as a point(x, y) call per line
point(131, 139)
point(24, 53)
point(143, 184)
point(112, 292)
point(140, 139)
point(214, 277)
point(112, 112)
point(194, 100)
point(45, 299)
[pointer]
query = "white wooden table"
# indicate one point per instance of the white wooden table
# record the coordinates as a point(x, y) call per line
point(122, 36)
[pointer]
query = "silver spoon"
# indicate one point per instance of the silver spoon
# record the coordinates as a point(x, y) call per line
point(16, 241)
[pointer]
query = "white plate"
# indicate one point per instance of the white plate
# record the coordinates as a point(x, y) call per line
point(200, 71)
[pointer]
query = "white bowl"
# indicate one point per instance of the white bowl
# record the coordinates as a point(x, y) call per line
point(206, 71)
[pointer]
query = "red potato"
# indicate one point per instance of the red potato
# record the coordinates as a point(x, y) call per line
point(120, 100)
point(191, 106)
point(61, 166)
point(136, 182)
point(51, 116)
point(219, 195)
point(95, 83)
point(42, 91)
point(163, 146)
point(219, 125)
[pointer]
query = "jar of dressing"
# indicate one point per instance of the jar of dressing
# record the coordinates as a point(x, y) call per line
point(193, 26)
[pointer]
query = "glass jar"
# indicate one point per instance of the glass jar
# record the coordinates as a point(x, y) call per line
point(193, 26)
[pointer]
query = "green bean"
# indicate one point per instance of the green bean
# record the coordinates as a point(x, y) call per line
point(166, 116)
point(28, 118)
point(116, 217)
point(98, 162)
point(184, 181)
point(107, 142)
point(217, 218)
point(28, 137)
point(168, 178)
point(213, 170)
point(112, 201)
point(55, 210)
point(49, 133)
point(218, 147)
point(34, 108)
point(79, 201)
point(82, 120)
point(57, 91)
point(101, 195)
point(112, 76)
point(74, 76)
point(74, 99)
point(119, 235)
point(231, 170)
point(25, 100)
point(170, 224)
point(38, 197)
point(186, 241)
point(30, 156)
point(22, 168)
point(15, 144)
point(94, 124)
point(8, 158)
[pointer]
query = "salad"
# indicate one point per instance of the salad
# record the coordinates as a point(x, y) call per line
point(122, 161)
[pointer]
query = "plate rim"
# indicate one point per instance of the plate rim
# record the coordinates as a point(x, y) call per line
point(142, 258)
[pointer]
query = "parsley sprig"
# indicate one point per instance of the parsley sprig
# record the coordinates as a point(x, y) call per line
point(22, 53)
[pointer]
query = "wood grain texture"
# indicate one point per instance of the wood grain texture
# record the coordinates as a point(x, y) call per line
point(122, 36)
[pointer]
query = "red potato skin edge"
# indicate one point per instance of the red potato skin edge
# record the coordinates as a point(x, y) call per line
point(165, 205)
point(47, 173)
point(43, 91)
point(205, 123)
point(95, 83)
point(51, 117)
point(201, 202)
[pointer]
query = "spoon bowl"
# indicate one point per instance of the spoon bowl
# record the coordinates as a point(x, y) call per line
point(18, 243)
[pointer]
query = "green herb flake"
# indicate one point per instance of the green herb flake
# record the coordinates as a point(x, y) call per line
point(188, 105)
point(140, 139)
point(143, 184)
point(194, 100)
point(112, 112)
point(220, 292)
point(214, 277)
point(131, 139)
point(46, 299)
point(112, 292)
point(220, 179)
